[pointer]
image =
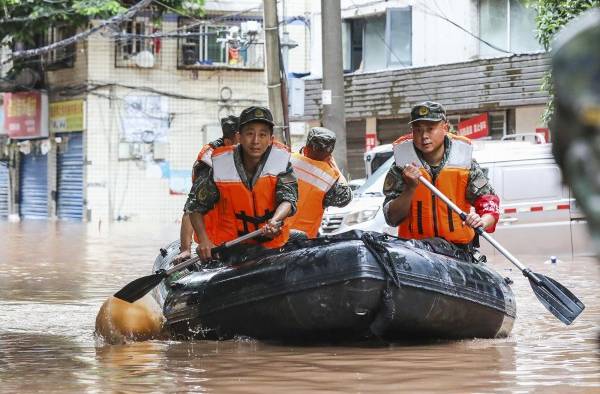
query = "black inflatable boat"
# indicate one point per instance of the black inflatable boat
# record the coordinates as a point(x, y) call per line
point(345, 287)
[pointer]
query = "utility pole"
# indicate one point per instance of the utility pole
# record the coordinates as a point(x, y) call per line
point(334, 117)
point(286, 42)
point(274, 67)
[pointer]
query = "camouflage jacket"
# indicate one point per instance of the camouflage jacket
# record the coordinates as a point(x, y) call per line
point(204, 193)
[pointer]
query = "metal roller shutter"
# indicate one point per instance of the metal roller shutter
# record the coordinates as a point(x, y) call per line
point(4, 190)
point(70, 178)
point(34, 186)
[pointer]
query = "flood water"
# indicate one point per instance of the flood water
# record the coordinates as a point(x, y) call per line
point(55, 276)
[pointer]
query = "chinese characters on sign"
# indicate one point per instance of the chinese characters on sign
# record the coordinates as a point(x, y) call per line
point(370, 141)
point(66, 116)
point(26, 114)
point(475, 127)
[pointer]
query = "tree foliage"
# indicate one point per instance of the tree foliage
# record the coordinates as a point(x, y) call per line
point(552, 16)
point(24, 20)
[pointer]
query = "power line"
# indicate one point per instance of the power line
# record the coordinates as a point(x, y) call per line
point(443, 16)
point(76, 90)
point(78, 37)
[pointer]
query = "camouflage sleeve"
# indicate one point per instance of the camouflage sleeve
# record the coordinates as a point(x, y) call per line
point(479, 184)
point(203, 195)
point(393, 184)
point(392, 188)
point(339, 195)
point(199, 169)
point(287, 188)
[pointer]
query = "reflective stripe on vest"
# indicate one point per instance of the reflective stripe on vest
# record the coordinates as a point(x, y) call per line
point(205, 154)
point(315, 179)
point(429, 216)
point(241, 210)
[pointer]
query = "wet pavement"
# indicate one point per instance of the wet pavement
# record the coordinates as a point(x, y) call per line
point(54, 276)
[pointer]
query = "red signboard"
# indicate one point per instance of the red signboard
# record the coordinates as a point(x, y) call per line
point(370, 141)
point(475, 127)
point(545, 132)
point(26, 114)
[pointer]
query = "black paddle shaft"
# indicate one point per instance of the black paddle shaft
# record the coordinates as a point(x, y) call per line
point(555, 297)
point(139, 287)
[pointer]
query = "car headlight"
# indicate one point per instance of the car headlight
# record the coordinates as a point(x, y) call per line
point(360, 216)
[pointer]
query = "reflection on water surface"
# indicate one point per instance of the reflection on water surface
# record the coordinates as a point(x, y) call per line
point(55, 276)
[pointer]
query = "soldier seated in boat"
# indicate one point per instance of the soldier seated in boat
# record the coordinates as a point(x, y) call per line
point(320, 182)
point(202, 165)
point(251, 185)
point(445, 160)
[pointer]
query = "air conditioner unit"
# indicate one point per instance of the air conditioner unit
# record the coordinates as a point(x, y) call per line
point(190, 54)
point(144, 59)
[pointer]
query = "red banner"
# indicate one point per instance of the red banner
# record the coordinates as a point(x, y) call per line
point(370, 141)
point(545, 132)
point(26, 115)
point(475, 127)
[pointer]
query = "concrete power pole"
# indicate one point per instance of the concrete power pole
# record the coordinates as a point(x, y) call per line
point(273, 66)
point(334, 117)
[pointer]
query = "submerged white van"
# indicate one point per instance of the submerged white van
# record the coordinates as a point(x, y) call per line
point(538, 215)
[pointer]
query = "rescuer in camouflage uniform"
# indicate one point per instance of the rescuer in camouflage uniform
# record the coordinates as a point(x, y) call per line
point(323, 140)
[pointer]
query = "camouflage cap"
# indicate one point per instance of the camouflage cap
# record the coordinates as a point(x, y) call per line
point(256, 114)
point(229, 125)
point(320, 138)
point(428, 111)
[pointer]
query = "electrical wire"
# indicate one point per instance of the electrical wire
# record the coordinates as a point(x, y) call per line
point(443, 16)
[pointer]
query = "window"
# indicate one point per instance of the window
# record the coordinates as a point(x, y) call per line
point(231, 45)
point(399, 33)
point(352, 41)
point(135, 50)
point(508, 25)
point(63, 57)
point(378, 42)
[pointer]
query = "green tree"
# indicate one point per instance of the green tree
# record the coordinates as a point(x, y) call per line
point(25, 20)
point(552, 15)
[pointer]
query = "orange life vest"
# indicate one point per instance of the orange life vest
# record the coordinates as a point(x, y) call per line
point(315, 179)
point(210, 218)
point(428, 215)
point(241, 210)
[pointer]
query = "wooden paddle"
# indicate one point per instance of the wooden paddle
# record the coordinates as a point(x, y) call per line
point(139, 287)
point(554, 296)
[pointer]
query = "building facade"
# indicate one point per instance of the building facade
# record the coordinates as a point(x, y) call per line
point(479, 58)
point(128, 110)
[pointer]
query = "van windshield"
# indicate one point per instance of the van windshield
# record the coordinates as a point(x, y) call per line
point(374, 184)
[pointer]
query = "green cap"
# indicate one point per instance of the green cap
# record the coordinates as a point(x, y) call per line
point(320, 138)
point(256, 114)
point(429, 111)
point(229, 125)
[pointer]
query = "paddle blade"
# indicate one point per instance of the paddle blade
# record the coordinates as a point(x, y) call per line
point(557, 299)
point(138, 288)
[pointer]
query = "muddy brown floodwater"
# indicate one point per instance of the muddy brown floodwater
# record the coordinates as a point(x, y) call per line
point(54, 277)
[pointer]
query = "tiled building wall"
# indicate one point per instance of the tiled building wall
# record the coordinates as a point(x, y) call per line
point(151, 187)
